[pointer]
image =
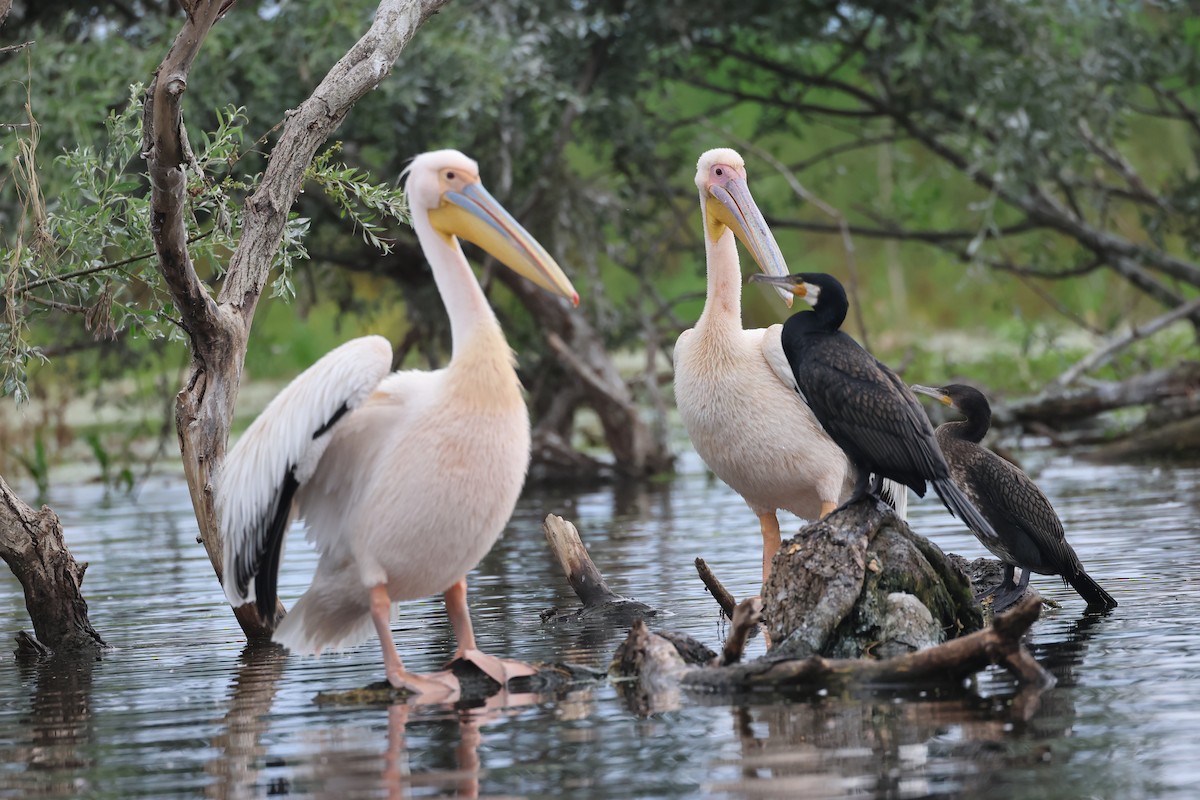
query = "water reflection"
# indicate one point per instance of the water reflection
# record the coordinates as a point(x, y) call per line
point(238, 745)
point(182, 708)
point(56, 757)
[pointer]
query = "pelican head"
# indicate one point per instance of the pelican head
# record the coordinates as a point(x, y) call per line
point(727, 202)
point(445, 184)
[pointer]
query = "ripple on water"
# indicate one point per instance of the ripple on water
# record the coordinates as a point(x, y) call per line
point(178, 708)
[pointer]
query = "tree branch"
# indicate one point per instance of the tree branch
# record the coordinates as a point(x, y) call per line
point(1116, 344)
point(168, 157)
point(308, 127)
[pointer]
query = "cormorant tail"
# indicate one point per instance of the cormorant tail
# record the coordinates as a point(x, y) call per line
point(960, 506)
point(1091, 591)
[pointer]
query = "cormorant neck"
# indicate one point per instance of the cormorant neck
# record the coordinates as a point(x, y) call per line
point(826, 316)
point(830, 311)
point(971, 429)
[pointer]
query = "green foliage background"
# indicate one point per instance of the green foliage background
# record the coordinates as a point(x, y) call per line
point(587, 119)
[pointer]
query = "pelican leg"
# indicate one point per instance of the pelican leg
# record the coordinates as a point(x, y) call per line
point(769, 523)
point(498, 669)
point(439, 687)
point(827, 508)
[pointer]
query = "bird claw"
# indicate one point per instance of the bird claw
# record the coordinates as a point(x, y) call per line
point(501, 670)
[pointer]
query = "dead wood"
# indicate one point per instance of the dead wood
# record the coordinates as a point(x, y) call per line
point(219, 329)
point(599, 601)
point(1115, 344)
point(1061, 406)
point(644, 655)
point(32, 544)
point(722, 595)
point(580, 350)
point(861, 582)
point(658, 663)
point(745, 618)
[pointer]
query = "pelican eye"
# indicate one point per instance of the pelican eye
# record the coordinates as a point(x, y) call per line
point(450, 175)
point(720, 171)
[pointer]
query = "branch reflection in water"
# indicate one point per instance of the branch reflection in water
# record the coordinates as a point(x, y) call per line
point(59, 752)
point(833, 747)
point(239, 744)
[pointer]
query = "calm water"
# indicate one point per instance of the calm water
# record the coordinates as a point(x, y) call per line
point(178, 709)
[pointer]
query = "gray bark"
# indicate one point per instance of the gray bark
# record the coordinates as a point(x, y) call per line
point(219, 329)
point(32, 544)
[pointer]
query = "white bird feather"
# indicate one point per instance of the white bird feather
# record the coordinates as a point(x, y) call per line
point(403, 481)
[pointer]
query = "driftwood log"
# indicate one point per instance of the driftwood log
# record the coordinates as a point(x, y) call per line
point(1171, 397)
point(651, 658)
point(860, 582)
point(655, 669)
point(599, 601)
point(31, 542)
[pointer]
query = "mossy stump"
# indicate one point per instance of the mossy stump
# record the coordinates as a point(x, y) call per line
point(860, 583)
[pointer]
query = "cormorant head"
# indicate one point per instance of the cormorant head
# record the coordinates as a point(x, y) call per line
point(966, 399)
point(819, 289)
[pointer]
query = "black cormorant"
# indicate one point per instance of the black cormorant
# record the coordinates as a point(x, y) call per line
point(1028, 534)
point(863, 406)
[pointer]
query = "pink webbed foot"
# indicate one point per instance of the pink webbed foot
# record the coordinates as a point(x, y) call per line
point(501, 670)
point(438, 687)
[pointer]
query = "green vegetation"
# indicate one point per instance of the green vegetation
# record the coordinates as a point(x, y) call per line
point(1016, 179)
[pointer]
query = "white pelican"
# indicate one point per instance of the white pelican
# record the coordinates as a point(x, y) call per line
point(405, 480)
point(734, 387)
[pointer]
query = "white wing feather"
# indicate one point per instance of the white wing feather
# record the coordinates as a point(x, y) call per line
point(289, 436)
point(772, 350)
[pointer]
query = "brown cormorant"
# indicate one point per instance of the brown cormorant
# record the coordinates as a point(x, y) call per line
point(1028, 534)
point(863, 406)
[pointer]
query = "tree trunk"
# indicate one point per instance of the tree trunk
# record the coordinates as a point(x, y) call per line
point(636, 451)
point(860, 582)
point(219, 330)
point(31, 542)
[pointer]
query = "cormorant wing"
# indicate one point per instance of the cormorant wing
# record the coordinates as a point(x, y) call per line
point(867, 409)
point(1014, 502)
point(280, 450)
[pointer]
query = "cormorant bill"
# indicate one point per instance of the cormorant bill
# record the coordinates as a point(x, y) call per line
point(863, 406)
point(1028, 533)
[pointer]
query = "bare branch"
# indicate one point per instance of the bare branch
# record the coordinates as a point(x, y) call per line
point(1116, 344)
point(308, 127)
point(1118, 162)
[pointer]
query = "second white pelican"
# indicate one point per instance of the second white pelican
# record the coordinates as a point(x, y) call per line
point(405, 480)
point(734, 387)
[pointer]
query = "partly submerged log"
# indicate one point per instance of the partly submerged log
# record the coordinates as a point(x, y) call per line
point(32, 544)
point(860, 582)
point(599, 601)
point(653, 661)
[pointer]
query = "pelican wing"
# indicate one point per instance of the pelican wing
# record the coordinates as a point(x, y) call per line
point(277, 454)
point(772, 350)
